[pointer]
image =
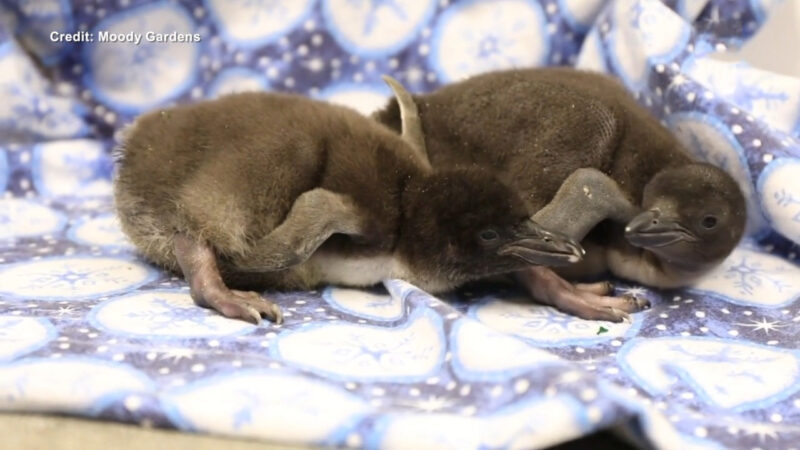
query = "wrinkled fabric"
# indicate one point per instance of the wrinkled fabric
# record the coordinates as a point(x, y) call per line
point(88, 328)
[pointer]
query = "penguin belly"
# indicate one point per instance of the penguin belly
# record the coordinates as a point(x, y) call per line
point(355, 270)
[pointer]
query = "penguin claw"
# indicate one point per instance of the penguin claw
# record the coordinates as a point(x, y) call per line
point(248, 306)
point(235, 310)
point(599, 288)
point(277, 314)
point(252, 315)
point(636, 304)
point(586, 309)
point(624, 317)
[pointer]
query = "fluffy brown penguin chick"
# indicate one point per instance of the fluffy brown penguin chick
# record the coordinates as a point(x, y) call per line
point(694, 215)
point(579, 150)
point(278, 191)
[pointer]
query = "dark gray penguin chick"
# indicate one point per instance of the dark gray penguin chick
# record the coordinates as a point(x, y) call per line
point(537, 127)
point(265, 190)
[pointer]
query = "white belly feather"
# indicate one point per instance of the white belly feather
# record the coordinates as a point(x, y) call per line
point(370, 270)
point(356, 271)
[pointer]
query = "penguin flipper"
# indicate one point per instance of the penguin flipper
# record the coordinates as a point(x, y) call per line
point(314, 217)
point(585, 198)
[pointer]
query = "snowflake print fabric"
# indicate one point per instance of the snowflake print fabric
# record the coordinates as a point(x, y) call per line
point(89, 328)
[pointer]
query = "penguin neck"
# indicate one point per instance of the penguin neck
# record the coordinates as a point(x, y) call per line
point(411, 189)
point(422, 266)
point(646, 267)
point(685, 272)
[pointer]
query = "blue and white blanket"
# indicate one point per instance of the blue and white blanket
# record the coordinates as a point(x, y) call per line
point(88, 328)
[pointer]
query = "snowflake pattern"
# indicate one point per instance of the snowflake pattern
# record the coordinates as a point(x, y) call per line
point(65, 311)
point(747, 93)
point(342, 350)
point(176, 355)
point(546, 325)
point(246, 404)
point(166, 315)
point(749, 276)
point(637, 11)
point(730, 374)
point(547, 321)
point(263, 9)
point(489, 48)
point(713, 17)
point(785, 199)
point(764, 325)
point(133, 78)
point(72, 278)
point(725, 355)
point(482, 37)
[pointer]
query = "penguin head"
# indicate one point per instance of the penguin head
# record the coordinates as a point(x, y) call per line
point(466, 224)
point(694, 215)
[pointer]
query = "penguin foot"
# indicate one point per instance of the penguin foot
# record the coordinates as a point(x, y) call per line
point(249, 306)
point(599, 288)
point(199, 266)
point(587, 301)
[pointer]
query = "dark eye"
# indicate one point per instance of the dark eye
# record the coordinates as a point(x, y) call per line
point(709, 222)
point(489, 235)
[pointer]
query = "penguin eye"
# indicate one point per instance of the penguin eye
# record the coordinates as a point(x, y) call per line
point(489, 235)
point(709, 222)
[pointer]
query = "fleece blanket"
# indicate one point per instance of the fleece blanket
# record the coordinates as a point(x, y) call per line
point(88, 328)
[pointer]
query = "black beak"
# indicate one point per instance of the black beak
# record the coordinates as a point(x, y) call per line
point(654, 229)
point(538, 246)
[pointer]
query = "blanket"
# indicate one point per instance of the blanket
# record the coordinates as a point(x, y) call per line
point(88, 328)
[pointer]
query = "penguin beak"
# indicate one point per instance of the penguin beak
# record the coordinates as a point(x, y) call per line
point(538, 246)
point(654, 229)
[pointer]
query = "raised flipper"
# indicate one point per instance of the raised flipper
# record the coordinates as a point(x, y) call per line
point(199, 266)
point(411, 124)
point(314, 217)
point(585, 198)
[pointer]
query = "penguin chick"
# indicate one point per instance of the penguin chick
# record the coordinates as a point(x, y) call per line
point(694, 214)
point(483, 226)
point(537, 127)
point(278, 191)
